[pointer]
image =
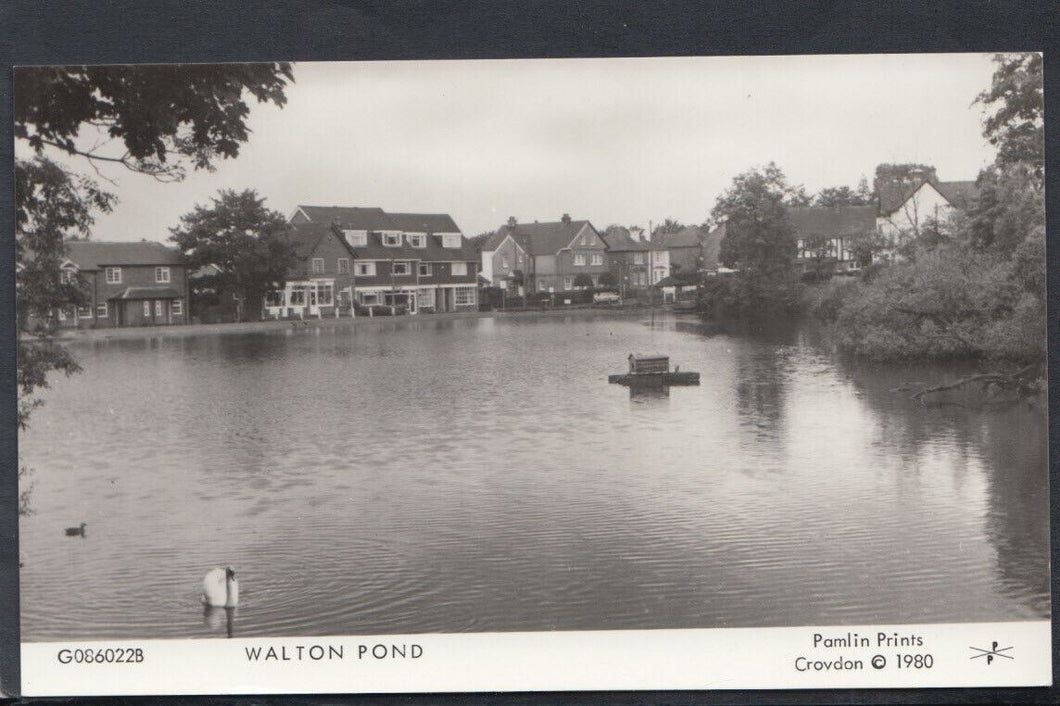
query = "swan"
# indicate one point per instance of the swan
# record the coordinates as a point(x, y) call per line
point(220, 588)
point(76, 531)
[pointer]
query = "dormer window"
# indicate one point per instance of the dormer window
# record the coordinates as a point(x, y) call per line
point(68, 275)
point(450, 240)
point(392, 239)
point(356, 238)
point(417, 240)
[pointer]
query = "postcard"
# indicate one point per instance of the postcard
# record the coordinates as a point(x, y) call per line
point(536, 374)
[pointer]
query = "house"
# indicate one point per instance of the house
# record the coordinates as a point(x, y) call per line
point(687, 251)
point(631, 258)
point(558, 252)
point(321, 282)
point(826, 236)
point(420, 262)
point(506, 263)
point(908, 203)
point(127, 284)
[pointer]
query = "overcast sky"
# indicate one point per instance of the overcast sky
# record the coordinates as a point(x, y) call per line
point(610, 140)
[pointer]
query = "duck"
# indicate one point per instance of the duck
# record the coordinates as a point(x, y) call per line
point(220, 588)
point(76, 531)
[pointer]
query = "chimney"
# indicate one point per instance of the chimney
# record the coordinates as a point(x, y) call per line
point(511, 221)
point(566, 219)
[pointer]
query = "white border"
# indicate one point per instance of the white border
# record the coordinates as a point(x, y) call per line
point(738, 658)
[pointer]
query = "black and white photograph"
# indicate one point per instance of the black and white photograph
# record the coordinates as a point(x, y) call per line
point(468, 347)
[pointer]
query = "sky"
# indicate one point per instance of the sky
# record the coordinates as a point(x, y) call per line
point(623, 141)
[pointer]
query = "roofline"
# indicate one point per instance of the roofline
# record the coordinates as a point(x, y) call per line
point(297, 210)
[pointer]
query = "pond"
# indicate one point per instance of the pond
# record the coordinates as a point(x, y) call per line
point(480, 474)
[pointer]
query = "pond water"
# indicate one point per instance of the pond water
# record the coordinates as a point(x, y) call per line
point(480, 474)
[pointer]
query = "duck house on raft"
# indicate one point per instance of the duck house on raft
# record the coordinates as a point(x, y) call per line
point(653, 369)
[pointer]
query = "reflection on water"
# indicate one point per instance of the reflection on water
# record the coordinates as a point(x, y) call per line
point(481, 474)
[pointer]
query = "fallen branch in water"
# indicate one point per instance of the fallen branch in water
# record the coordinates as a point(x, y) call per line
point(984, 388)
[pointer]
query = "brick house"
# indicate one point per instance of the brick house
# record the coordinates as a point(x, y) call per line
point(631, 259)
point(558, 252)
point(128, 284)
point(419, 261)
point(506, 263)
point(321, 282)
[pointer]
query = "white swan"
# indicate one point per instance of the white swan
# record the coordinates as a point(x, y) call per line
point(220, 588)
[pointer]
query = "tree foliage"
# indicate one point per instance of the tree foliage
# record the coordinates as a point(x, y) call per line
point(974, 285)
point(844, 196)
point(759, 241)
point(582, 280)
point(154, 120)
point(246, 241)
point(1015, 107)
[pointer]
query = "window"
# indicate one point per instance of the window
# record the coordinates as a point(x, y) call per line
point(101, 310)
point(68, 275)
point(368, 297)
point(392, 239)
point(113, 275)
point(504, 262)
point(147, 310)
point(84, 312)
point(464, 296)
point(425, 269)
point(579, 259)
point(366, 269)
point(356, 238)
point(159, 304)
point(178, 307)
point(322, 295)
point(541, 286)
point(344, 266)
point(568, 282)
point(459, 269)
point(162, 274)
point(450, 240)
point(638, 258)
point(399, 267)
point(274, 298)
point(62, 314)
point(417, 240)
point(296, 295)
point(598, 258)
point(425, 298)
point(585, 239)
point(317, 266)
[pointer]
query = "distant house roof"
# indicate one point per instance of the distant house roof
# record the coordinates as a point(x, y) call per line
point(351, 217)
point(210, 270)
point(684, 279)
point(95, 255)
point(832, 221)
point(620, 240)
point(712, 246)
point(424, 222)
point(306, 236)
point(687, 237)
point(544, 238)
point(961, 194)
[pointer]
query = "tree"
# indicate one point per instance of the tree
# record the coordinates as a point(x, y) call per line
point(608, 279)
point(759, 241)
point(1015, 103)
point(155, 120)
point(245, 240)
point(583, 281)
point(844, 196)
point(670, 225)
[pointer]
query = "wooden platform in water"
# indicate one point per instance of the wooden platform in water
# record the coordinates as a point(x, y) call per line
point(655, 379)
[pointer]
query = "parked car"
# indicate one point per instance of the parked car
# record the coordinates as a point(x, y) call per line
point(607, 299)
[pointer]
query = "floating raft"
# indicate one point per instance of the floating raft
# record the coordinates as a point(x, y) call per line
point(652, 370)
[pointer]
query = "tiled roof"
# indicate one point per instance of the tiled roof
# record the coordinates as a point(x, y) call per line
point(494, 241)
point(832, 220)
point(307, 235)
point(712, 246)
point(94, 254)
point(619, 240)
point(962, 194)
point(424, 222)
point(544, 238)
point(148, 293)
point(687, 237)
point(352, 217)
